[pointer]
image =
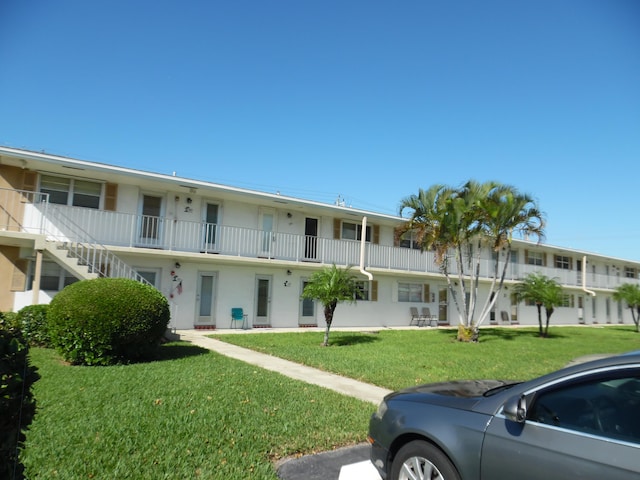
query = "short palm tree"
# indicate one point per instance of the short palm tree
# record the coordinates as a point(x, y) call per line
point(630, 293)
point(331, 285)
point(543, 292)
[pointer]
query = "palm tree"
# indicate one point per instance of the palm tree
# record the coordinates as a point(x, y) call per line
point(543, 292)
point(630, 293)
point(459, 223)
point(331, 285)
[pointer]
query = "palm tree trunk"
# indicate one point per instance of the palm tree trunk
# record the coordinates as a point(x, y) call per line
point(539, 305)
point(328, 318)
point(549, 312)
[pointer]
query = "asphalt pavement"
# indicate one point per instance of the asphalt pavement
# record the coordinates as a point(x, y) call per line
point(348, 463)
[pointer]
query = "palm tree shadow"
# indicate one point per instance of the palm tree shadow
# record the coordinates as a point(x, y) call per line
point(492, 334)
point(346, 340)
point(508, 334)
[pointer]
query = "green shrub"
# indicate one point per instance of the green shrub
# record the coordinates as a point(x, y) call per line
point(17, 405)
point(33, 323)
point(9, 321)
point(107, 321)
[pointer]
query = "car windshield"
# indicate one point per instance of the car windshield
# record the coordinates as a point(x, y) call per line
point(500, 388)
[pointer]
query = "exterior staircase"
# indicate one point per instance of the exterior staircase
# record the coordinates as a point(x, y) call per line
point(66, 243)
point(71, 259)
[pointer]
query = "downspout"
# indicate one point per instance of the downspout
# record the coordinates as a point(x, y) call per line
point(363, 241)
point(584, 277)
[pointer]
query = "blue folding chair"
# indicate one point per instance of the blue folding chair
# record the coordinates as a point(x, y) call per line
point(238, 315)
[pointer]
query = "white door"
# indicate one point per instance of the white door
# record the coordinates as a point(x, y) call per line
point(205, 298)
point(307, 309)
point(210, 227)
point(263, 301)
point(150, 221)
point(267, 235)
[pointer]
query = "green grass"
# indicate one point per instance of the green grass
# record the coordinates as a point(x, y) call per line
point(194, 414)
point(398, 358)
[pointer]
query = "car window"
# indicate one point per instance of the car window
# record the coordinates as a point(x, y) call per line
point(605, 407)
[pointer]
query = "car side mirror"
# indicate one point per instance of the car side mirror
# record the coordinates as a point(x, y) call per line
point(516, 409)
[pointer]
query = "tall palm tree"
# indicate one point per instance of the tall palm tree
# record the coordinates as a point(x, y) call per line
point(630, 293)
point(331, 285)
point(543, 292)
point(507, 212)
point(457, 224)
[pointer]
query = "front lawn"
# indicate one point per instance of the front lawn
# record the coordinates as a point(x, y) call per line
point(194, 414)
point(398, 358)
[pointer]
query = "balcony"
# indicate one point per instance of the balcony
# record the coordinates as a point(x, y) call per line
point(61, 223)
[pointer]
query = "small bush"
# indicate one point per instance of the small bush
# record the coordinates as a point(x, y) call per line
point(33, 323)
point(9, 321)
point(17, 405)
point(107, 321)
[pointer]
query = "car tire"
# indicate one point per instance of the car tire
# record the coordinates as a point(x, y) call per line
point(419, 459)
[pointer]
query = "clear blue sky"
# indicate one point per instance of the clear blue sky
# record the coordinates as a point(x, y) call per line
point(369, 99)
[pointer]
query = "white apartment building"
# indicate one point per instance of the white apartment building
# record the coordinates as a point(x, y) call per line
point(210, 248)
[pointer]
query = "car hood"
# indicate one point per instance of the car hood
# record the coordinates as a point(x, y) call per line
point(457, 394)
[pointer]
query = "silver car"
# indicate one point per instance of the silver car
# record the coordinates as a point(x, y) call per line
point(579, 422)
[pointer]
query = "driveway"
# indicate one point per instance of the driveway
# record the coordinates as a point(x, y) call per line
point(348, 463)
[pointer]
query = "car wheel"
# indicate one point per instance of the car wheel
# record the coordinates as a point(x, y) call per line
point(419, 460)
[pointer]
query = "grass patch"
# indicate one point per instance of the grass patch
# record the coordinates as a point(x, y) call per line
point(196, 414)
point(399, 358)
point(193, 414)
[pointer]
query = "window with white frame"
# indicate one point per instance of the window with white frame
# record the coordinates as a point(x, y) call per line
point(353, 231)
point(52, 277)
point(410, 292)
point(71, 191)
point(535, 258)
point(562, 261)
point(151, 275)
point(630, 272)
point(567, 301)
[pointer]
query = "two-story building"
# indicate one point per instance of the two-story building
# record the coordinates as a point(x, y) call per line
point(211, 248)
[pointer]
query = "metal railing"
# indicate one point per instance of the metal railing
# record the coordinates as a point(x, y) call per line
point(73, 224)
point(31, 212)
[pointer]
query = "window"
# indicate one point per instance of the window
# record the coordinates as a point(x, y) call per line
point(53, 277)
point(606, 406)
point(562, 262)
point(535, 258)
point(630, 272)
point(410, 292)
point(408, 240)
point(362, 290)
point(567, 301)
point(69, 191)
point(353, 231)
point(151, 275)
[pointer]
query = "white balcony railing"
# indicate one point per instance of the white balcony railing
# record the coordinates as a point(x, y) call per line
point(86, 225)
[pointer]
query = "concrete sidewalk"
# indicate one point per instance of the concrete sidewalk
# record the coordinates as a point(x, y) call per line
point(346, 386)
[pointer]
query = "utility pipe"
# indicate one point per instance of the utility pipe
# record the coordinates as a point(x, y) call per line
point(584, 277)
point(363, 241)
